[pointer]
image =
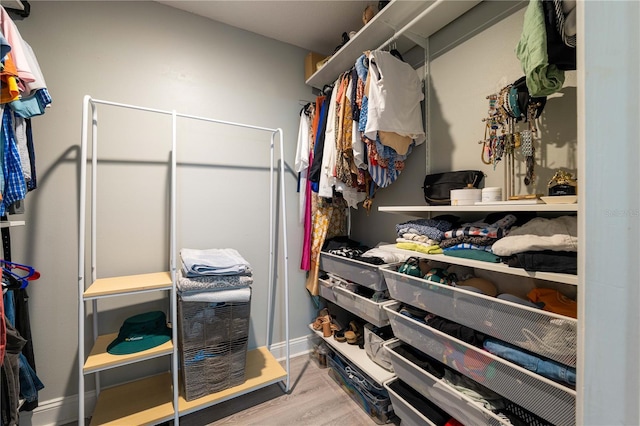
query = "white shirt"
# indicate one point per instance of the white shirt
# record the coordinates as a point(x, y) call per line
point(302, 160)
point(394, 98)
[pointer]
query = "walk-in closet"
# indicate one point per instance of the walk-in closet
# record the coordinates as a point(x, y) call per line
point(319, 212)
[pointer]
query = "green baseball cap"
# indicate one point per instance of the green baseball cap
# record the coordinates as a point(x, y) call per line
point(141, 332)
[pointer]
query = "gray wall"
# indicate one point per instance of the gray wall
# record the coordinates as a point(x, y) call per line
point(148, 54)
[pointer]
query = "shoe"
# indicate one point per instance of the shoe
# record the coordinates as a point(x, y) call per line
point(339, 336)
point(322, 317)
point(354, 334)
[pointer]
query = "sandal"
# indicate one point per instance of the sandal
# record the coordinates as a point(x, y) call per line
point(354, 333)
point(339, 336)
point(323, 316)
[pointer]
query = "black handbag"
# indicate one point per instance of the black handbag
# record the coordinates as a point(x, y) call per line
point(437, 187)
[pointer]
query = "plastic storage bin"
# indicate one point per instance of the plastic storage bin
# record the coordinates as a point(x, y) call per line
point(212, 339)
point(550, 400)
point(371, 397)
point(362, 273)
point(361, 306)
point(374, 340)
point(550, 335)
point(409, 415)
point(461, 407)
point(326, 290)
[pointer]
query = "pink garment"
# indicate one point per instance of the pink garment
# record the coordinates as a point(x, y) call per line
point(11, 33)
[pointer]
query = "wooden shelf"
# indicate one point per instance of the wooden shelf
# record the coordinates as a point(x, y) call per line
point(421, 211)
point(488, 266)
point(99, 359)
point(115, 286)
point(359, 358)
point(149, 401)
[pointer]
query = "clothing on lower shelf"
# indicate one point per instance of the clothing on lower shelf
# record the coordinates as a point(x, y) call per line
point(557, 234)
point(542, 366)
point(427, 408)
point(553, 301)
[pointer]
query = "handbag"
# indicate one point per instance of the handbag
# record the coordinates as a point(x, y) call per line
point(437, 187)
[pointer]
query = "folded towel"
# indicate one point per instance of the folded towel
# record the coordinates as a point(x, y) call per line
point(211, 282)
point(213, 262)
point(218, 296)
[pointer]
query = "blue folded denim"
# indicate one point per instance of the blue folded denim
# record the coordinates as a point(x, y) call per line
point(542, 366)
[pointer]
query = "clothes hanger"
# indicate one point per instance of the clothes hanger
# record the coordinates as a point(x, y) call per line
point(17, 280)
point(395, 52)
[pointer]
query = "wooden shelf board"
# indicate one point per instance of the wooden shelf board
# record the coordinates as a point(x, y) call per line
point(149, 401)
point(359, 358)
point(128, 284)
point(99, 359)
point(489, 266)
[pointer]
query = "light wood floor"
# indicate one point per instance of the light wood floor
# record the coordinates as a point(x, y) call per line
point(315, 400)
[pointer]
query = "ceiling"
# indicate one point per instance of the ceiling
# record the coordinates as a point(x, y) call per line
point(312, 25)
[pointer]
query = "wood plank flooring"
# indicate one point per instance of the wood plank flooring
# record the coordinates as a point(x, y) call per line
point(315, 400)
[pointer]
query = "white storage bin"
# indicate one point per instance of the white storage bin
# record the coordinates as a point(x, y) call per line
point(461, 407)
point(365, 308)
point(546, 398)
point(375, 348)
point(409, 415)
point(545, 333)
point(326, 290)
point(362, 273)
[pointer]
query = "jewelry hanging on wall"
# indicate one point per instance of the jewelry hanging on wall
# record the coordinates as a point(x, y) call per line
point(510, 105)
point(527, 149)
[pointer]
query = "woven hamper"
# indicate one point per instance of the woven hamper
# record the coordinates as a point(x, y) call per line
point(212, 341)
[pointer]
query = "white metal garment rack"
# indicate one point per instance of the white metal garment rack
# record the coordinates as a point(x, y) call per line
point(179, 405)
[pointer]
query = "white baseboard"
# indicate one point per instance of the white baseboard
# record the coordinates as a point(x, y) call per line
point(297, 347)
point(60, 411)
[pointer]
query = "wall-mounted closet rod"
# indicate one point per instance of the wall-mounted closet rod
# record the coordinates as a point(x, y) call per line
point(411, 24)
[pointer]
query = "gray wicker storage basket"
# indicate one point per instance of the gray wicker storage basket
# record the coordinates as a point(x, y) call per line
point(212, 339)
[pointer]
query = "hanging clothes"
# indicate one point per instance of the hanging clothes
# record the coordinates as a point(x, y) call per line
point(329, 220)
point(560, 55)
point(318, 146)
point(12, 35)
point(327, 168)
point(302, 159)
point(543, 78)
point(395, 93)
point(24, 95)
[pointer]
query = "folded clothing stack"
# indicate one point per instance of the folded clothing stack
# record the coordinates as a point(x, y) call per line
point(214, 275)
